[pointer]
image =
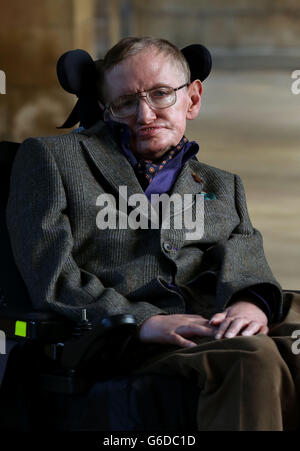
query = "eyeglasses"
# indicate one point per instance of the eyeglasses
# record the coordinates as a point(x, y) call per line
point(157, 98)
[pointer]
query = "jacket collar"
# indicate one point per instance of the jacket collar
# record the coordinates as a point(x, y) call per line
point(108, 157)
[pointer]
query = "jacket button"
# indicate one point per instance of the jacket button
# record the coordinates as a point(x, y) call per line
point(167, 246)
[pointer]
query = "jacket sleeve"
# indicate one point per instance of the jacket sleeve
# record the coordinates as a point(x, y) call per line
point(42, 243)
point(243, 263)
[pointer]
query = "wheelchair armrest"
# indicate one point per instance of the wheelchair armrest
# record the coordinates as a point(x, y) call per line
point(105, 342)
point(97, 354)
point(66, 351)
point(46, 327)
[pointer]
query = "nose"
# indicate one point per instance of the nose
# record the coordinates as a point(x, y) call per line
point(145, 114)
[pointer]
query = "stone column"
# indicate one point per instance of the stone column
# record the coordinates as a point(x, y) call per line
point(33, 35)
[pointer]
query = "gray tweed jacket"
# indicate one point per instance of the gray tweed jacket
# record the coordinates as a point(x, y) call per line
point(68, 263)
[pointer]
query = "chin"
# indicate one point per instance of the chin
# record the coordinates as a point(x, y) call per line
point(152, 154)
point(149, 152)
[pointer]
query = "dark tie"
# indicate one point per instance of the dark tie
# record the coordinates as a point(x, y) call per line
point(147, 169)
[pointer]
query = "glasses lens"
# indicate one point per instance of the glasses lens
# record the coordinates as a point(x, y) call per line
point(157, 98)
point(124, 106)
point(162, 97)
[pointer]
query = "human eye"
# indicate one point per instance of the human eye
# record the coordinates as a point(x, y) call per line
point(161, 92)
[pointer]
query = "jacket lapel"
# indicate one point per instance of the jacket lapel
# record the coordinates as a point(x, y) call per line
point(109, 159)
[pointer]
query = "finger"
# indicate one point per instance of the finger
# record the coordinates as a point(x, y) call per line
point(189, 330)
point(182, 342)
point(235, 327)
point(264, 330)
point(193, 316)
point(217, 318)
point(223, 327)
point(252, 329)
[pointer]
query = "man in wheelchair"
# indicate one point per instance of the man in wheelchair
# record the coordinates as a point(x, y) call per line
point(206, 304)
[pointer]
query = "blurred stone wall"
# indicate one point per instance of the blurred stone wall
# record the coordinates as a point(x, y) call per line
point(33, 35)
point(222, 23)
point(240, 33)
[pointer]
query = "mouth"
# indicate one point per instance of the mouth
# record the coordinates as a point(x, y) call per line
point(148, 132)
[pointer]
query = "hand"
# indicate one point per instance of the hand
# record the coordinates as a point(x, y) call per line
point(175, 329)
point(241, 318)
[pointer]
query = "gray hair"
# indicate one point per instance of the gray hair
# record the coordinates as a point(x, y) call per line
point(130, 46)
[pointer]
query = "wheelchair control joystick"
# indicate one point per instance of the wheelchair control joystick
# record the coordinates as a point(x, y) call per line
point(82, 326)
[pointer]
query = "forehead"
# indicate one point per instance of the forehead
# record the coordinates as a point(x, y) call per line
point(141, 72)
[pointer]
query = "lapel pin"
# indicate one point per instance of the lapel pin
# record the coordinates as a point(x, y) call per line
point(197, 178)
point(208, 196)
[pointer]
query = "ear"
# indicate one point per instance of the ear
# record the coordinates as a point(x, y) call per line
point(194, 92)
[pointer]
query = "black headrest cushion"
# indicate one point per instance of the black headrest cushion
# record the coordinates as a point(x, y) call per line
point(76, 72)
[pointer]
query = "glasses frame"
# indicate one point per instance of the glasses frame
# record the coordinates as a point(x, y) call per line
point(109, 109)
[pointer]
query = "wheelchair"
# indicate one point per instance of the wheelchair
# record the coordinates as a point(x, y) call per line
point(58, 375)
point(54, 368)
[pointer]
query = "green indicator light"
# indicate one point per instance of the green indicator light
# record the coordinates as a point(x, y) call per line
point(20, 328)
